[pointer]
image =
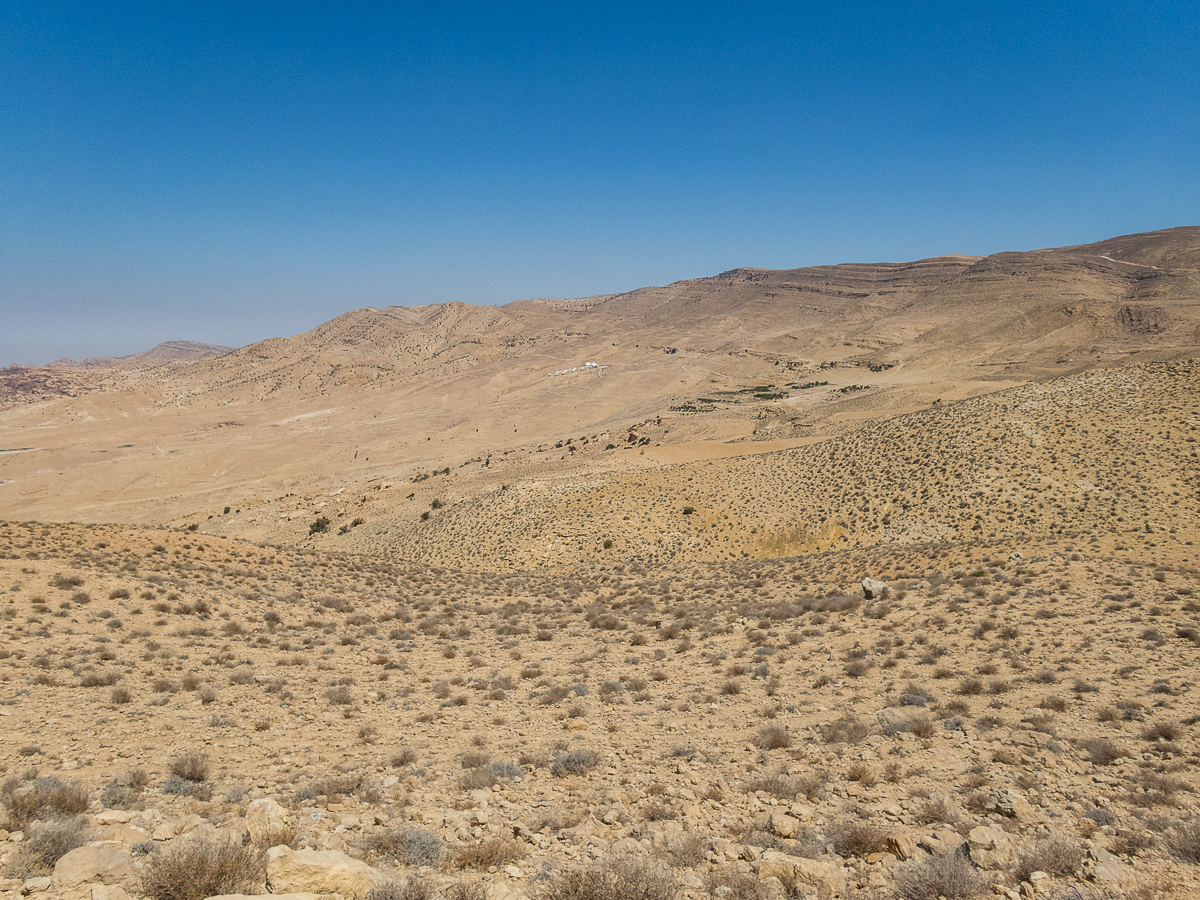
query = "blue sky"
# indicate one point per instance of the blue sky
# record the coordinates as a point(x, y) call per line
point(231, 172)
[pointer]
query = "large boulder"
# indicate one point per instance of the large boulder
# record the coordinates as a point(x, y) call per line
point(1009, 804)
point(784, 826)
point(100, 863)
point(267, 822)
point(873, 589)
point(992, 848)
point(828, 878)
point(318, 871)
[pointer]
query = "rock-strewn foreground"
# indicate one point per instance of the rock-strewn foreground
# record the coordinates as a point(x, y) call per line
point(746, 728)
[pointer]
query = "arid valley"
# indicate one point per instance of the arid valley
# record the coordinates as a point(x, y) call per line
point(850, 581)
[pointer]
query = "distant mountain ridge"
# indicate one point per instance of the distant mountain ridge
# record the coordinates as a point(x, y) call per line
point(498, 400)
point(167, 350)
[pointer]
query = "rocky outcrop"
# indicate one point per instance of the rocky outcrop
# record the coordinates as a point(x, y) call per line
point(267, 822)
point(94, 863)
point(318, 871)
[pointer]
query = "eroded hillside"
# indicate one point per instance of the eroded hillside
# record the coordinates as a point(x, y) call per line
point(385, 395)
point(1103, 455)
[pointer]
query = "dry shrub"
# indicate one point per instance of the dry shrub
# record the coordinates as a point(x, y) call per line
point(735, 886)
point(558, 820)
point(577, 762)
point(971, 686)
point(936, 809)
point(467, 890)
point(773, 738)
point(42, 798)
point(402, 757)
point(947, 874)
point(861, 773)
point(496, 852)
point(475, 759)
point(47, 843)
point(284, 835)
point(339, 695)
point(1162, 731)
point(854, 838)
point(414, 888)
point(1056, 855)
point(190, 766)
point(125, 792)
point(620, 878)
point(922, 726)
point(407, 846)
point(779, 785)
point(686, 851)
point(1102, 751)
point(206, 867)
point(1184, 841)
point(1131, 842)
point(846, 730)
point(658, 812)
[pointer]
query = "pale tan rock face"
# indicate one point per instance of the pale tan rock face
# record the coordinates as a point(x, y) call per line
point(318, 871)
point(992, 848)
point(104, 864)
point(266, 821)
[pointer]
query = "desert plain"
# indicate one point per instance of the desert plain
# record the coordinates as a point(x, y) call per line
point(857, 581)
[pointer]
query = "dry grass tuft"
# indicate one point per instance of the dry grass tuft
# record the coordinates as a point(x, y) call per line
point(496, 852)
point(1056, 855)
point(949, 875)
point(621, 878)
point(195, 869)
point(191, 766)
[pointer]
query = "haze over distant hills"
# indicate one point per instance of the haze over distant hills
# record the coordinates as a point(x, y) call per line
point(736, 364)
point(167, 350)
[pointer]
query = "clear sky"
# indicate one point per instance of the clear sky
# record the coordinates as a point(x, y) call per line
point(228, 172)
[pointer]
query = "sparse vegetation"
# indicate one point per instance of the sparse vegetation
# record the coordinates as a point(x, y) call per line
point(195, 868)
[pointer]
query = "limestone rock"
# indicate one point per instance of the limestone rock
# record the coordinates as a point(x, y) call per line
point(1037, 885)
point(901, 845)
point(991, 848)
point(318, 871)
point(1106, 868)
point(266, 821)
point(872, 588)
point(113, 817)
point(828, 878)
point(892, 720)
point(498, 890)
point(1010, 804)
point(784, 826)
point(120, 834)
point(102, 863)
point(108, 892)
